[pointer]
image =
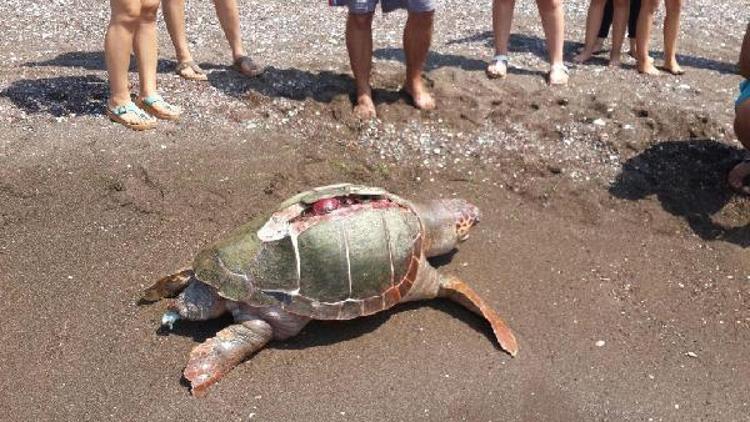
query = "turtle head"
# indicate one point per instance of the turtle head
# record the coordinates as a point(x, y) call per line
point(447, 223)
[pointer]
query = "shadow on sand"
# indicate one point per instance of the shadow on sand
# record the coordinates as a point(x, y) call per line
point(60, 96)
point(689, 180)
point(94, 60)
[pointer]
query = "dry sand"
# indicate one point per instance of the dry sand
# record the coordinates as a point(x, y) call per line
point(610, 242)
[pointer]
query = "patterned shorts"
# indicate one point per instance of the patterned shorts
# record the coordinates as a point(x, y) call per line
point(744, 93)
point(368, 6)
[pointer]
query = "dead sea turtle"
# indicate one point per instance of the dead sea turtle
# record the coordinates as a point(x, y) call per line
point(332, 253)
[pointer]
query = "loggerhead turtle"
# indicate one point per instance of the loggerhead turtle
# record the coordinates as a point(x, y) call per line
point(332, 253)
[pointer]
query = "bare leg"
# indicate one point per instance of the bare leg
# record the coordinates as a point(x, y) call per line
point(619, 26)
point(359, 45)
point(593, 24)
point(118, 45)
point(502, 19)
point(174, 17)
point(741, 171)
point(229, 17)
point(211, 360)
point(146, 49)
point(417, 39)
point(553, 21)
point(671, 33)
point(458, 291)
point(643, 37)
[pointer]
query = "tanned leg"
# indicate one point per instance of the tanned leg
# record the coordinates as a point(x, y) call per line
point(118, 45)
point(417, 39)
point(741, 171)
point(502, 19)
point(593, 25)
point(643, 37)
point(619, 26)
point(229, 17)
point(671, 33)
point(174, 17)
point(146, 49)
point(553, 21)
point(359, 46)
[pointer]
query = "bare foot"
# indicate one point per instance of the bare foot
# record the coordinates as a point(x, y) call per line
point(615, 62)
point(365, 108)
point(648, 68)
point(583, 57)
point(422, 98)
point(673, 68)
point(599, 46)
point(737, 176)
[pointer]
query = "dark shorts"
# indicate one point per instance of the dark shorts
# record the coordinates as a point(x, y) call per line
point(368, 6)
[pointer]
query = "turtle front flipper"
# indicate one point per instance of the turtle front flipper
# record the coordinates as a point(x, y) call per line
point(453, 288)
point(169, 286)
point(212, 359)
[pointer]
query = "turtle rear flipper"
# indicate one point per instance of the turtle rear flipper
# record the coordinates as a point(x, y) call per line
point(453, 288)
point(169, 286)
point(212, 359)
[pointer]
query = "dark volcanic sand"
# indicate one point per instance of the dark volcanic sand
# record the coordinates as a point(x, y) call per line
point(623, 233)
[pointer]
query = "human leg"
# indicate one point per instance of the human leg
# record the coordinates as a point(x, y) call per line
point(174, 17)
point(671, 33)
point(502, 19)
point(118, 44)
point(417, 39)
point(553, 21)
point(618, 35)
point(643, 37)
point(359, 46)
point(593, 25)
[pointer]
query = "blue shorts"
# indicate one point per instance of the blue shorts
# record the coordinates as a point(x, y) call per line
point(744, 93)
point(368, 6)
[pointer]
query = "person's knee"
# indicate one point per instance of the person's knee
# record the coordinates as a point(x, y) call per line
point(361, 21)
point(421, 19)
point(149, 10)
point(126, 13)
point(547, 6)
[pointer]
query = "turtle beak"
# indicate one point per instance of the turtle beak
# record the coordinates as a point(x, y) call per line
point(169, 318)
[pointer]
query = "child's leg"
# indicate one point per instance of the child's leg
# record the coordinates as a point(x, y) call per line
point(146, 49)
point(553, 22)
point(502, 19)
point(228, 13)
point(174, 17)
point(671, 32)
point(593, 24)
point(643, 36)
point(118, 44)
point(620, 23)
point(741, 171)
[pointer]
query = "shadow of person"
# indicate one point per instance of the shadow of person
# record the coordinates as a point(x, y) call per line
point(60, 96)
point(296, 84)
point(689, 180)
point(439, 60)
point(94, 60)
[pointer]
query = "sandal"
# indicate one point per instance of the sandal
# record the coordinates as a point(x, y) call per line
point(498, 67)
point(562, 73)
point(191, 71)
point(157, 107)
point(132, 117)
point(246, 66)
